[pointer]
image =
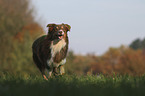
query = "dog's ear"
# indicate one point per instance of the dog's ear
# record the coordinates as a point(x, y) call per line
point(68, 27)
point(51, 26)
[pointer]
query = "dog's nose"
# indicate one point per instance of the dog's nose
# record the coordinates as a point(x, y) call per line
point(61, 32)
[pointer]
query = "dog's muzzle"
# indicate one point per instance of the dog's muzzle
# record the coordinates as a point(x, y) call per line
point(60, 34)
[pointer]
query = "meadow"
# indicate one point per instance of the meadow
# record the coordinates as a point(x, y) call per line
point(72, 85)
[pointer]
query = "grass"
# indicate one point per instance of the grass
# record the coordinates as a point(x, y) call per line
point(72, 85)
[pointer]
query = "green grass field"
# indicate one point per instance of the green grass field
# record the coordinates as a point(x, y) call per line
point(71, 85)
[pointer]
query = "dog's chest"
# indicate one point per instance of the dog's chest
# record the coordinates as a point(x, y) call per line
point(56, 47)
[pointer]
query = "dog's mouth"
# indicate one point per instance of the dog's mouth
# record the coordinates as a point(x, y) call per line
point(60, 36)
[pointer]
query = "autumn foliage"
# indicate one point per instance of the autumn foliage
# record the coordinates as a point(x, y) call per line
point(123, 60)
point(18, 30)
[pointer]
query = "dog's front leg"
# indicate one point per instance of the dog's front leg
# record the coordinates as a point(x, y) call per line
point(44, 76)
point(49, 72)
point(55, 71)
point(61, 70)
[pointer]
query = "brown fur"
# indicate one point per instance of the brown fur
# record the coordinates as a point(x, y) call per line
point(42, 52)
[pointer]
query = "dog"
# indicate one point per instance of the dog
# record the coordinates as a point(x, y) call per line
point(49, 51)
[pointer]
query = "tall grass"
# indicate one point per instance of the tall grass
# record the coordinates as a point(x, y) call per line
point(72, 85)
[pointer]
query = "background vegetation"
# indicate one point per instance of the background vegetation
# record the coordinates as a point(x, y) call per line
point(18, 30)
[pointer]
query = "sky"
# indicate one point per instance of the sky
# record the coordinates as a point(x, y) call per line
point(96, 25)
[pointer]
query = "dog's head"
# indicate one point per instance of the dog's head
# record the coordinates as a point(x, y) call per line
point(58, 31)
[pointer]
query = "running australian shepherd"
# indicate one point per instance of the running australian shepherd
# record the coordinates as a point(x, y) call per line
point(49, 51)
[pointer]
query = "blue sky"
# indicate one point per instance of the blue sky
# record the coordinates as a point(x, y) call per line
point(96, 24)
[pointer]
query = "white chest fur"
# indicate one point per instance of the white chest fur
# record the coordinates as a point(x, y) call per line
point(56, 46)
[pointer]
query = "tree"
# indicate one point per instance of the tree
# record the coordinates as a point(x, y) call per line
point(143, 43)
point(136, 44)
point(17, 21)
